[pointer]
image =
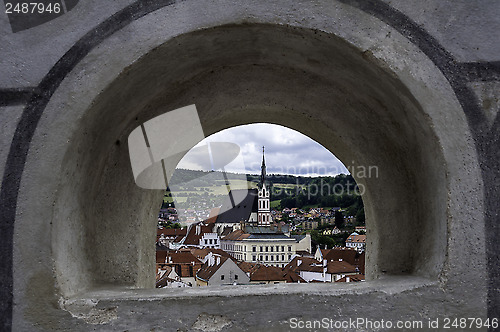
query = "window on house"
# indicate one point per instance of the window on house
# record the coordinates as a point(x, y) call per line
point(221, 277)
point(235, 277)
point(254, 249)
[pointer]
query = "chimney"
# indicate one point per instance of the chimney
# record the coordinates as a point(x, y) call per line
point(299, 262)
point(347, 279)
point(198, 229)
point(218, 260)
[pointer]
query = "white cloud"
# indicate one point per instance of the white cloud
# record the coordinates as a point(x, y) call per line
point(287, 151)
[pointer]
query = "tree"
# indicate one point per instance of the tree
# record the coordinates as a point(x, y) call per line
point(339, 219)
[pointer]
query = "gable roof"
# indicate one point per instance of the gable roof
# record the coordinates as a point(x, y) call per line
point(202, 253)
point(292, 276)
point(207, 271)
point(171, 232)
point(176, 257)
point(236, 235)
point(308, 264)
point(248, 267)
point(193, 237)
point(227, 230)
point(245, 203)
point(356, 238)
point(294, 265)
point(348, 255)
point(267, 273)
point(336, 267)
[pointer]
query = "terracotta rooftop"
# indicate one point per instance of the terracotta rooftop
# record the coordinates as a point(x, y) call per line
point(356, 239)
point(248, 267)
point(294, 263)
point(348, 255)
point(202, 253)
point(170, 232)
point(176, 257)
point(236, 235)
point(196, 232)
point(312, 265)
point(161, 255)
point(207, 271)
point(267, 273)
point(336, 267)
point(292, 276)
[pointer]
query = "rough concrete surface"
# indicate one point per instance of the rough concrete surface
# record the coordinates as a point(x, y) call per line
point(381, 83)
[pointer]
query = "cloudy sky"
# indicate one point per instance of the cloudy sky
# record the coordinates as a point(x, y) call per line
point(287, 152)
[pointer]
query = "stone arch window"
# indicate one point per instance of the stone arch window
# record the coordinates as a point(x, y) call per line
point(364, 102)
point(364, 122)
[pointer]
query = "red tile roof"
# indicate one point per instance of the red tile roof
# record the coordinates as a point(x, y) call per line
point(267, 273)
point(349, 255)
point(248, 267)
point(336, 267)
point(356, 239)
point(194, 239)
point(294, 263)
point(201, 253)
point(312, 265)
point(170, 232)
point(236, 235)
point(206, 272)
point(292, 276)
point(182, 257)
point(161, 256)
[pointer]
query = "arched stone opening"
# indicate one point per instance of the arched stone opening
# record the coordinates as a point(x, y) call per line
point(307, 80)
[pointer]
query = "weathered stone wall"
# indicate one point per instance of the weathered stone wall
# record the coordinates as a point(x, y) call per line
point(411, 87)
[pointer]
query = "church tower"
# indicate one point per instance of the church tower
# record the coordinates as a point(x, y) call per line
point(264, 210)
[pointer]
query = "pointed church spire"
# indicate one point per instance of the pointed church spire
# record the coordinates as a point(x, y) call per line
point(263, 169)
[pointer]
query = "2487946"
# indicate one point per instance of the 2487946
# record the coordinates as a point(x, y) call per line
point(32, 8)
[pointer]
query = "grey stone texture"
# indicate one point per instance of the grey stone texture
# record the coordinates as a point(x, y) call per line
point(409, 88)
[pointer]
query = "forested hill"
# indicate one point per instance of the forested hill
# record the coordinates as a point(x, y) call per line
point(287, 190)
